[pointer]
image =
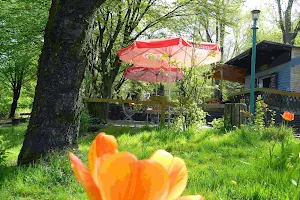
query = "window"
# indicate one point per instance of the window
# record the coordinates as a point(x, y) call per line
point(269, 81)
point(266, 82)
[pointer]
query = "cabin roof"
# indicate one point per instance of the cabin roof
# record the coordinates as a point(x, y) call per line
point(268, 54)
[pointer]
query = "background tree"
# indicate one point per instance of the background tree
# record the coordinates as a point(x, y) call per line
point(17, 72)
point(288, 26)
point(22, 24)
point(212, 17)
point(54, 121)
point(114, 28)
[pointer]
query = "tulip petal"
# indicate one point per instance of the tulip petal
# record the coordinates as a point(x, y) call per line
point(192, 197)
point(152, 181)
point(162, 157)
point(178, 176)
point(102, 146)
point(84, 177)
point(117, 176)
point(288, 116)
point(177, 172)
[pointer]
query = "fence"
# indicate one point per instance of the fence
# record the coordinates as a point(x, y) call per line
point(280, 101)
point(160, 101)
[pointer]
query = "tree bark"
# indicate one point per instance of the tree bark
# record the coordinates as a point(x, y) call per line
point(14, 104)
point(106, 94)
point(54, 121)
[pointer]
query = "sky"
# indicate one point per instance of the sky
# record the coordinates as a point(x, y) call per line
point(255, 4)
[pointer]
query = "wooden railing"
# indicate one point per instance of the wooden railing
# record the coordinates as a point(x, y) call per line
point(161, 101)
point(276, 99)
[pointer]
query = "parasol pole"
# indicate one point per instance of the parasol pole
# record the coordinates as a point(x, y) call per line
point(169, 92)
point(156, 84)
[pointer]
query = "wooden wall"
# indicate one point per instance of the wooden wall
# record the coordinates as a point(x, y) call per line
point(288, 74)
point(295, 78)
point(283, 76)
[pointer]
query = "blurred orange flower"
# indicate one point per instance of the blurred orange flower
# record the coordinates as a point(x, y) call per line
point(246, 113)
point(288, 116)
point(117, 175)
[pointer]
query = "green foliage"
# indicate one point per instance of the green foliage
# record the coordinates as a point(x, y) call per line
point(3, 150)
point(192, 91)
point(21, 32)
point(230, 88)
point(85, 122)
point(190, 114)
point(5, 101)
point(218, 123)
point(221, 125)
point(261, 111)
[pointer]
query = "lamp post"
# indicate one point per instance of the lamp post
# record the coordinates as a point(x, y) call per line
point(255, 15)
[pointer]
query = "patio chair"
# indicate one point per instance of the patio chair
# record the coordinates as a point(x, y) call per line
point(128, 112)
point(153, 114)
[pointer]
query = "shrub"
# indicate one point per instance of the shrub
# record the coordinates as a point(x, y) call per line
point(190, 115)
point(85, 122)
point(218, 123)
point(261, 114)
point(3, 151)
point(221, 125)
point(4, 108)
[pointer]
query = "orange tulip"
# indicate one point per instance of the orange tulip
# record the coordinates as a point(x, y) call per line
point(288, 116)
point(117, 175)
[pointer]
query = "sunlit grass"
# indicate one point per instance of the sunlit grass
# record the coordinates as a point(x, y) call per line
point(235, 165)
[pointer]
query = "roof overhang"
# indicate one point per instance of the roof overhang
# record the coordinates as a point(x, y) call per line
point(229, 73)
point(268, 55)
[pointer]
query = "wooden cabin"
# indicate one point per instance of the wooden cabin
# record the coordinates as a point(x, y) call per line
point(277, 77)
point(277, 67)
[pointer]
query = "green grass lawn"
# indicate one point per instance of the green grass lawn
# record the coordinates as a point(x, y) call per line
point(240, 164)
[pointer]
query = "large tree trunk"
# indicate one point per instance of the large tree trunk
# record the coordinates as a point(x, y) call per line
point(106, 94)
point(14, 104)
point(54, 121)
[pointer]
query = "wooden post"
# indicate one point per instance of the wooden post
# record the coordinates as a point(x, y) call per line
point(233, 114)
point(163, 113)
point(227, 114)
point(221, 84)
point(164, 100)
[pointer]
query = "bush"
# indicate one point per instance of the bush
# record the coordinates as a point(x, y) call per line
point(261, 114)
point(190, 115)
point(221, 125)
point(85, 122)
point(218, 123)
point(4, 108)
point(3, 151)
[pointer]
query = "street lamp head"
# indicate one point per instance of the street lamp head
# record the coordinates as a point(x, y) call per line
point(255, 14)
